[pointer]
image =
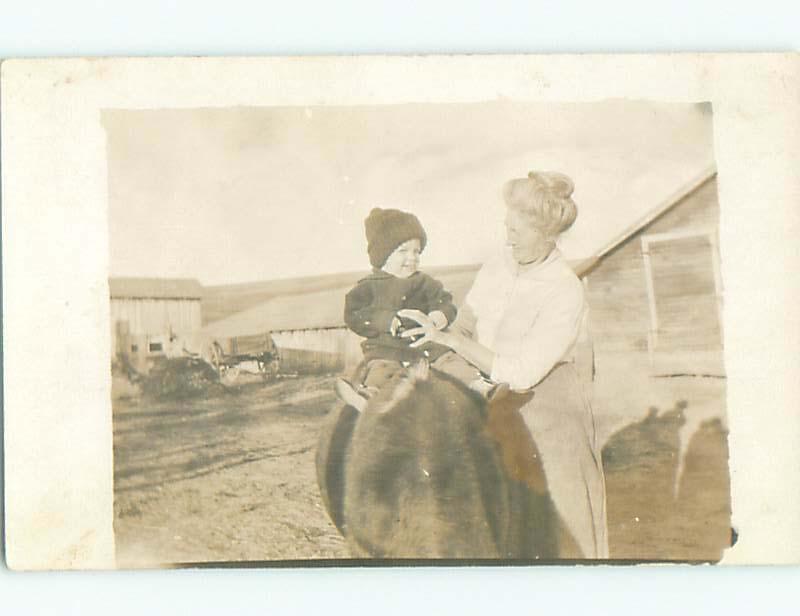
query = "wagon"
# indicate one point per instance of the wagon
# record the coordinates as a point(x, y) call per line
point(255, 354)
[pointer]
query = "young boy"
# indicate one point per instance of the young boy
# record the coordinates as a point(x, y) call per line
point(395, 240)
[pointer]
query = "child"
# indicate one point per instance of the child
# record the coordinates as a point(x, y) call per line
point(395, 240)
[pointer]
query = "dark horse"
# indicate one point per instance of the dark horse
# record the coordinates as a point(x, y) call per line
point(430, 470)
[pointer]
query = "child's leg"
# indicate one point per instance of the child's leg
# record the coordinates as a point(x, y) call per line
point(453, 364)
point(456, 366)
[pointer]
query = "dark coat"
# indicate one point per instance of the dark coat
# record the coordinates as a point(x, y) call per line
point(372, 304)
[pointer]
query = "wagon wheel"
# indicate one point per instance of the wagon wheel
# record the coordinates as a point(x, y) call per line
point(216, 357)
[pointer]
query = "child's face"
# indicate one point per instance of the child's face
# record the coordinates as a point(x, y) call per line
point(404, 261)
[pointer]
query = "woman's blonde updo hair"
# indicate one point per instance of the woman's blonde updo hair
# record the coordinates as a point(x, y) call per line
point(544, 197)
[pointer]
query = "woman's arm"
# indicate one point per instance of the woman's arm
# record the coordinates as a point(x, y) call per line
point(475, 353)
point(555, 330)
point(466, 322)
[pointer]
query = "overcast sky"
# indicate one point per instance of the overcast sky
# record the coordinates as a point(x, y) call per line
point(242, 194)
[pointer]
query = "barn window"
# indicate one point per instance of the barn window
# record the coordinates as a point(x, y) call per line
point(155, 347)
point(134, 348)
point(685, 302)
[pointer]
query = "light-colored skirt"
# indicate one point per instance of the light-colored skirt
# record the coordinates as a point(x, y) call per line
point(561, 422)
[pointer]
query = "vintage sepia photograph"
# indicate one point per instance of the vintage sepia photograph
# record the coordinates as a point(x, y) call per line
point(453, 330)
point(456, 331)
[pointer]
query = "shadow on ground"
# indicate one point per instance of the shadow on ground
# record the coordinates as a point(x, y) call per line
point(665, 503)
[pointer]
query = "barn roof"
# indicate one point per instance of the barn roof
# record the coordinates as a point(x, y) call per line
point(659, 209)
point(155, 288)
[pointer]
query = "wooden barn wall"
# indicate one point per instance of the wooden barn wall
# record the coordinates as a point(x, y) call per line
point(317, 351)
point(154, 317)
point(616, 288)
point(157, 316)
point(700, 210)
point(685, 295)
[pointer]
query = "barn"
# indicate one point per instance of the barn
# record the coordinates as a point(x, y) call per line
point(153, 317)
point(655, 292)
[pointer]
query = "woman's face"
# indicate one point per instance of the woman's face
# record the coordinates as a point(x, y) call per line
point(527, 243)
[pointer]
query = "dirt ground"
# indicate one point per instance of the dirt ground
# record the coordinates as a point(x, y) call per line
point(232, 478)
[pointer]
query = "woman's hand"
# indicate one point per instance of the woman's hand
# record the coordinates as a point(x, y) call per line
point(438, 318)
point(471, 350)
point(427, 328)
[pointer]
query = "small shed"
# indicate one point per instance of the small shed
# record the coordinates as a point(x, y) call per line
point(152, 317)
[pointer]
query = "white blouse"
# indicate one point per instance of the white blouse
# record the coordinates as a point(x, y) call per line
point(531, 316)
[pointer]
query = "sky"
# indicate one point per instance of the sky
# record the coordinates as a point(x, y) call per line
point(240, 194)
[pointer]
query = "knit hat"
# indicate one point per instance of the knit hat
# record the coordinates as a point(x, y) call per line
point(387, 229)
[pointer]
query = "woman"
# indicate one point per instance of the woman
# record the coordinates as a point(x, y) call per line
point(522, 324)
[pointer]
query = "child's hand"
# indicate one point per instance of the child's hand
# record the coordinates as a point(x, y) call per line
point(394, 326)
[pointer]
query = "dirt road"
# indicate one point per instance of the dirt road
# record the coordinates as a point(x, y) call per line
point(232, 478)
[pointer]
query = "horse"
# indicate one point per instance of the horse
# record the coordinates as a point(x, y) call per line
point(431, 470)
